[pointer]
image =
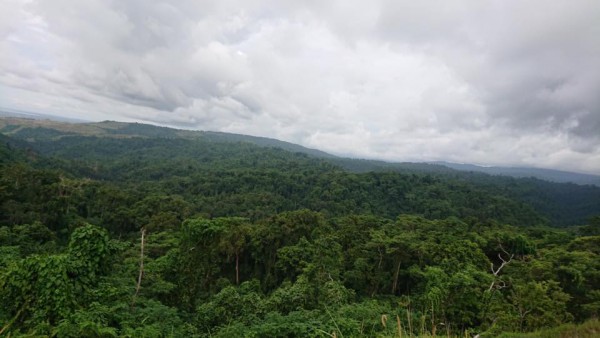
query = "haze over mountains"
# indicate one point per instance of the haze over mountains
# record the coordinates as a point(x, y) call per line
point(540, 173)
point(465, 82)
point(9, 120)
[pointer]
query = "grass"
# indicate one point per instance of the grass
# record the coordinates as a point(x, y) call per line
point(588, 329)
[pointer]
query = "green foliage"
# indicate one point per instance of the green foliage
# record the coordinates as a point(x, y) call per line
point(91, 322)
point(588, 329)
point(250, 241)
point(38, 289)
point(539, 304)
point(243, 304)
point(47, 288)
point(88, 250)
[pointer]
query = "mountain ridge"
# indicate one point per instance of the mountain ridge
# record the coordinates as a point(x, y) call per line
point(551, 175)
point(31, 128)
point(136, 153)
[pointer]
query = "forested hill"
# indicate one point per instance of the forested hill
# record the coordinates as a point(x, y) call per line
point(127, 230)
point(44, 129)
point(293, 176)
point(220, 179)
point(545, 174)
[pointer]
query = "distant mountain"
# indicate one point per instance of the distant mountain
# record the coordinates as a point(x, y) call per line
point(7, 112)
point(38, 127)
point(295, 175)
point(41, 127)
point(542, 174)
point(264, 142)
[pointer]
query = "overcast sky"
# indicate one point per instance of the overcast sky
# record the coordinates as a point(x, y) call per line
point(486, 82)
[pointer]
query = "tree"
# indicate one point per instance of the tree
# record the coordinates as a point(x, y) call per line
point(42, 288)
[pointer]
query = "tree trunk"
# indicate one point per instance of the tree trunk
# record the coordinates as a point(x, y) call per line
point(237, 268)
point(139, 282)
point(396, 277)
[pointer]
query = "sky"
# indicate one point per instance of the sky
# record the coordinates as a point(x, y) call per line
point(511, 83)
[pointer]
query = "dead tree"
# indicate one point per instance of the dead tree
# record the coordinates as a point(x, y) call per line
point(499, 284)
point(141, 273)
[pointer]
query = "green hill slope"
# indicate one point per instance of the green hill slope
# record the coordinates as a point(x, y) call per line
point(132, 152)
point(116, 229)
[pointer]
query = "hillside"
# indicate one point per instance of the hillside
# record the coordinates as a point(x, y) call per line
point(132, 151)
point(44, 130)
point(244, 179)
point(115, 229)
point(543, 174)
point(41, 128)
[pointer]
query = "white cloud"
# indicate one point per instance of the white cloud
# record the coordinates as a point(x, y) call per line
point(512, 83)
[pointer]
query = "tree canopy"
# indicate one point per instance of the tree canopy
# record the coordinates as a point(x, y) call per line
point(162, 235)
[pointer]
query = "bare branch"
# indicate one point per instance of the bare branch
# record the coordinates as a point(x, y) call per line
point(139, 281)
point(504, 262)
point(506, 252)
point(502, 265)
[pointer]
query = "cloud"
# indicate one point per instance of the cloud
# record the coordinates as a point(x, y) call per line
point(504, 83)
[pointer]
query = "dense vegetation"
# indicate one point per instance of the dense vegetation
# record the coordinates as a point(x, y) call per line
point(163, 235)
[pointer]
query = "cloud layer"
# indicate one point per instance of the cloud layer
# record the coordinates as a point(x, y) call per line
point(498, 82)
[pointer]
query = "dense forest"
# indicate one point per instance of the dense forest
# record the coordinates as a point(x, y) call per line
point(131, 230)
